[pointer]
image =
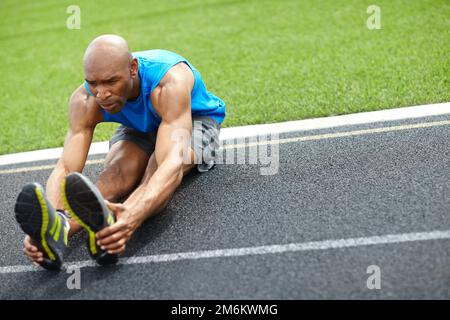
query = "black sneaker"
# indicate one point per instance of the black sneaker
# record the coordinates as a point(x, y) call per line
point(48, 228)
point(86, 205)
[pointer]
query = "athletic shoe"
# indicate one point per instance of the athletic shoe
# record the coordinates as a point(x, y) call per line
point(48, 228)
point(85, 204)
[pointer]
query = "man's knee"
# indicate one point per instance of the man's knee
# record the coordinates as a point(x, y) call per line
point(117, 180)
point(127, 173)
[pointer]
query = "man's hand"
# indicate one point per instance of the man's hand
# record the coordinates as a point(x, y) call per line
point(114, 238)
point(31, 251)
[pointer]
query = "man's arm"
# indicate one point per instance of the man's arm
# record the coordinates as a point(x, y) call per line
point(172, 102)
point(83, 116)
point(170, 151)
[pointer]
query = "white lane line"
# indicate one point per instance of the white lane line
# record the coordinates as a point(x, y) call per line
point(339, 121)
point(265, 129)
point(48, 154)
point(342, 134)
point(275, 141)
point(261, 250)
point(45, 167)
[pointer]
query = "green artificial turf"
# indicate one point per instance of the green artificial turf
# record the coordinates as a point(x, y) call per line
point(269, 60)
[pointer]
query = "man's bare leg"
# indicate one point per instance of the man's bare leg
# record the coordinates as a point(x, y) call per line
point(124, 167)
point(150, 170)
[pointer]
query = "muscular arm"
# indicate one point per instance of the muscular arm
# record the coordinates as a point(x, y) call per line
point(172, 145)
point(83, 116)
point(171, 100)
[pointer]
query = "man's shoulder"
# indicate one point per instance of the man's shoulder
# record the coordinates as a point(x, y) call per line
point(178, 81)
point(179, 75)
point(83, 110)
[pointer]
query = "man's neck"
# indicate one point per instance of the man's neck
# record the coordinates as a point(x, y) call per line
point(136, 90)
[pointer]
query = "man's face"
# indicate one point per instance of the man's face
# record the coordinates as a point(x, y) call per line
point(111, 84)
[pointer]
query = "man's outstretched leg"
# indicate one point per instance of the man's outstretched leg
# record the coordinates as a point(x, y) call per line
point(204, 144)
point(124, 167)
point(85, 201)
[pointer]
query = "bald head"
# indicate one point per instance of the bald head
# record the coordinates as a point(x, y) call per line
point(110, 71)
point(107, 51)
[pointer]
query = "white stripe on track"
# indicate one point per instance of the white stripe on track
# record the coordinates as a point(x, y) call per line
point(261, 250)
point(395, 114)
point(276, 141)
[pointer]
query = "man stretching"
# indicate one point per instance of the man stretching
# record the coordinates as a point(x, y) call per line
point(170, 124)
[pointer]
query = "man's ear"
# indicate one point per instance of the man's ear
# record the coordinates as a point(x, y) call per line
point(134, 68)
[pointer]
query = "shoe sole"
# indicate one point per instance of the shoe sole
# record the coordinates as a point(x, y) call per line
point(33, 217)
point(84, 206)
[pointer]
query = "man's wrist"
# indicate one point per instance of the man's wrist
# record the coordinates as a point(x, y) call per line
point(137, 214)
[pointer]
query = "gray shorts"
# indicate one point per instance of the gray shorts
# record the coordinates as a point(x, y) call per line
point(204, 140)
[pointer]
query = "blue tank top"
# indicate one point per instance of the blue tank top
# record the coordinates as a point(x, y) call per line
point(153, 65)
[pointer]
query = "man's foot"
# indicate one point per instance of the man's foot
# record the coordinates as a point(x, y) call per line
point(47, 227)
point(86, 205)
